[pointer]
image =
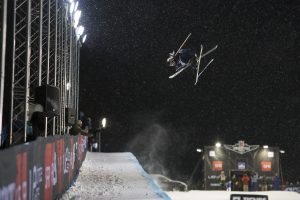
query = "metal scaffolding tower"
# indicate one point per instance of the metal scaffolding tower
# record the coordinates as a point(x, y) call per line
point(45, 51)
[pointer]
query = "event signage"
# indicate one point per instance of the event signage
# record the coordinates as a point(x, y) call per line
point(42, 169)
point(239, 162)
point(248, 197)
point(241, 147)
point(241, 165)
point(266, 166)
point(217, 165)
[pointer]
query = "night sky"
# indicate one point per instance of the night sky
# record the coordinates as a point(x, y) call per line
point(251, 91)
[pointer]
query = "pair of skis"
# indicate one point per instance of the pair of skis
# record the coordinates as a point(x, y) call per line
point(198, 59)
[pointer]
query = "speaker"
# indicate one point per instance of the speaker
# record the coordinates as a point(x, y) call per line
point(70, 114)
point(48, 97)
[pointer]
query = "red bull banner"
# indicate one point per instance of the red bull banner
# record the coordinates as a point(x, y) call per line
point(42, 169)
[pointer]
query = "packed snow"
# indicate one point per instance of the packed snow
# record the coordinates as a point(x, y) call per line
point(112, 176)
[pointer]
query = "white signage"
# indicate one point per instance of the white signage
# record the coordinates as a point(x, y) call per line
point(241, 147)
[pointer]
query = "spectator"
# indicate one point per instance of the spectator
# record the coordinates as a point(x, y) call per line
point(38, 124)
point(234, 182)
point(264, 183)
point(222, 180)
point(276, 182)
point(76, 129)
point(245, 180)
point(254, 182)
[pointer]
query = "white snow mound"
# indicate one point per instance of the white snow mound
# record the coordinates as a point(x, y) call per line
point(113, 176)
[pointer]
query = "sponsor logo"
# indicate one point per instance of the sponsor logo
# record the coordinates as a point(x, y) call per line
point(248, 197)
point(241, 165)
point(217, 166)
point(266, 166)
point(215, 184)
point(241, 147)
point(213, 177)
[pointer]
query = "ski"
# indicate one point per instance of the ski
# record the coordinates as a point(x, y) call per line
point(178, 72)
point(183, 44)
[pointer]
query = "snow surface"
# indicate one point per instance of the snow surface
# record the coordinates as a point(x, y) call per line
point(113, 176)
point(224, 195)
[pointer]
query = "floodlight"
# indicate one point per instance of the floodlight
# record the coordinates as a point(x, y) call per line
point(68, 86)
point(265, 146)
point(103, 122)
point(76, 17)
point(76, 6)
point(218, 144)
point(84, 39)
point(199, 150)
point(72, 6)
point(79, 30)
point(282, 151)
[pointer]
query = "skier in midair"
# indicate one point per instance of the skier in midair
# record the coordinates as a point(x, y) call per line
point(182, 59)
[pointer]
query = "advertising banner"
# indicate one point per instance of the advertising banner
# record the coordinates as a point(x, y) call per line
point(42, 169)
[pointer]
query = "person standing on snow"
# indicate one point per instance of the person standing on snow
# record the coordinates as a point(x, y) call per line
point(222, 180)
point(254, 182)
point(276, 182)
point(245, 180)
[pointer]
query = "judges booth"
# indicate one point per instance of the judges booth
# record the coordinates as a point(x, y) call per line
point(237, 160)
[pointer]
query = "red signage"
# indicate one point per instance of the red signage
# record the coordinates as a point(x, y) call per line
point(217, 165)
point(266, 166)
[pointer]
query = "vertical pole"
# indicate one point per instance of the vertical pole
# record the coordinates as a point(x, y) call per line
point(78, 76)
point(65, 61)
point(61, 68)
point(2, 69)
point(70, 63)
point(55, 62)
point(41, 42)
point(13, 75)
point(100, 140)
point(27, 84)
point(75, 76)
point(48, 42)
point(48, 59)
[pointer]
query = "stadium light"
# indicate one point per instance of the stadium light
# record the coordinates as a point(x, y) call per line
point(76, 6)
point(79, 31)
point(282, 151)
point(68, 86)
point(104, 122)
point(218, 144)
point(76, 17)
point(72, 6)
point(199, 150)
point(265, 146)
point(84, 39)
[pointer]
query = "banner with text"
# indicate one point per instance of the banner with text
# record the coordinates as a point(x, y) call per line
point(42, 169)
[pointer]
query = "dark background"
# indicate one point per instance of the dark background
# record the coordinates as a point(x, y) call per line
point(250, 92)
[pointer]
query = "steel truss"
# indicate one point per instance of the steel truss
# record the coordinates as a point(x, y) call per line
point(45, 51)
